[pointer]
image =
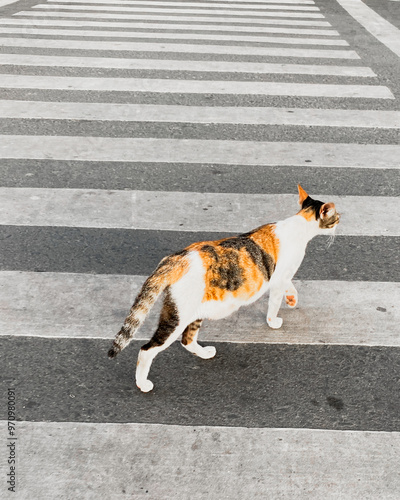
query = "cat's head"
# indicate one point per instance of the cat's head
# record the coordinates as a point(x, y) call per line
point(314, 210)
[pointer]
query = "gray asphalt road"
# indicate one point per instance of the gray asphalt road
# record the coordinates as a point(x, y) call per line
point(65, 385)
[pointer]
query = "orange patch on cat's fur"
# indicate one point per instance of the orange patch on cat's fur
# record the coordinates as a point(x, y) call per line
point(265, 237)
point(308, 214)
point(177, 273)
point(303, 195)
point(290, 300)
point(176, 266)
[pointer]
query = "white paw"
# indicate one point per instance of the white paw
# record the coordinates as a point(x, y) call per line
point(275, 323)
point(207, 352)
point(145, 386)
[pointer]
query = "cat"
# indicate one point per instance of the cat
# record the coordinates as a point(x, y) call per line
point(212, 279)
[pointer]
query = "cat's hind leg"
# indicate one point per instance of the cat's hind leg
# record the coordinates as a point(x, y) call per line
point(291, 296)
point(169, 329)
point(189, 341)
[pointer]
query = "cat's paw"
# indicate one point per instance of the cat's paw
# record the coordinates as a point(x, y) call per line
point(291, 297)
point(275, 323)
point(291, 301)
point(145, 386)
point(207, 352)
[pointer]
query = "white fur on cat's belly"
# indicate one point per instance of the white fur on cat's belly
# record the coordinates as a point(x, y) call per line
point(216, 309)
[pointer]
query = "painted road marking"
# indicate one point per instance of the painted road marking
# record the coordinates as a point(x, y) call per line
point(154, 35)
point(320, 463)
point(381, 29)
point(177, 65)
point(200, 151)
point(251, 30)
point(180, 18)
point(77, 305)
point(181, 211)
point(291, 4)
point(213, 12)
point(199, 114)
point(195, 86)
point(101, 45)
point(3, 3)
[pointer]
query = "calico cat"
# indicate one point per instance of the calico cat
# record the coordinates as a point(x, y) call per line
point(212, 279)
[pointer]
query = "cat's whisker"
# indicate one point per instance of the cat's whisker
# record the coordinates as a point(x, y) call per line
point(330, 241)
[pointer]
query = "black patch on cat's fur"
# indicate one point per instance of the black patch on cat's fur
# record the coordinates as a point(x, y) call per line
point(169, 320)
point(260, 258)
point(211, 251)
point(190, 332)
point(125, 334)
point(226, 268)
point(315, 205)
point(112, 353)
point(180, 253)
point(147, 292)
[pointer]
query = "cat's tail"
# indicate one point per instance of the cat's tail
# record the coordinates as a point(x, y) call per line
point(169, 271)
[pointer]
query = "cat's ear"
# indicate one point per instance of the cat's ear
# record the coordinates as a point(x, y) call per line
point(302, 194)
point(327, 210)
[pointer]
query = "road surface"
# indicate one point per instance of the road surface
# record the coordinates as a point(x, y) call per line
point(130, 129)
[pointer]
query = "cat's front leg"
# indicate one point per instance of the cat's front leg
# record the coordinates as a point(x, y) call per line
point(291, 296)
point(275, 300)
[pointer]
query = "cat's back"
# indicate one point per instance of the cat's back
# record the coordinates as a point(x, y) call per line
point(237, 265)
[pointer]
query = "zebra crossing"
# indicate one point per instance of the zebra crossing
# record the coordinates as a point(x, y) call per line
point(132, 128)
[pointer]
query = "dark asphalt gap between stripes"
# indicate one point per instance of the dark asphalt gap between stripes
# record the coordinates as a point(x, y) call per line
point(188, 99)
point(209, 131)
point(137, 252)
point(215, 178)
point(245, 385)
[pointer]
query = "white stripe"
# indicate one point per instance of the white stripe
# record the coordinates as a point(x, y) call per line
point(235, 2)
point(196, 19)
point(238, 2)
point(3, 3)
point(177, 6)
point(95, 306)
point(154, 35)
point(381, 29)
point(214, 12)
point(177, 65)
point(200, 151)
point(181, 48)
point(172, 462)
point(181, 211)
point(199, 114)
point(195, 86)
point(251, 30)
point(230, 5)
